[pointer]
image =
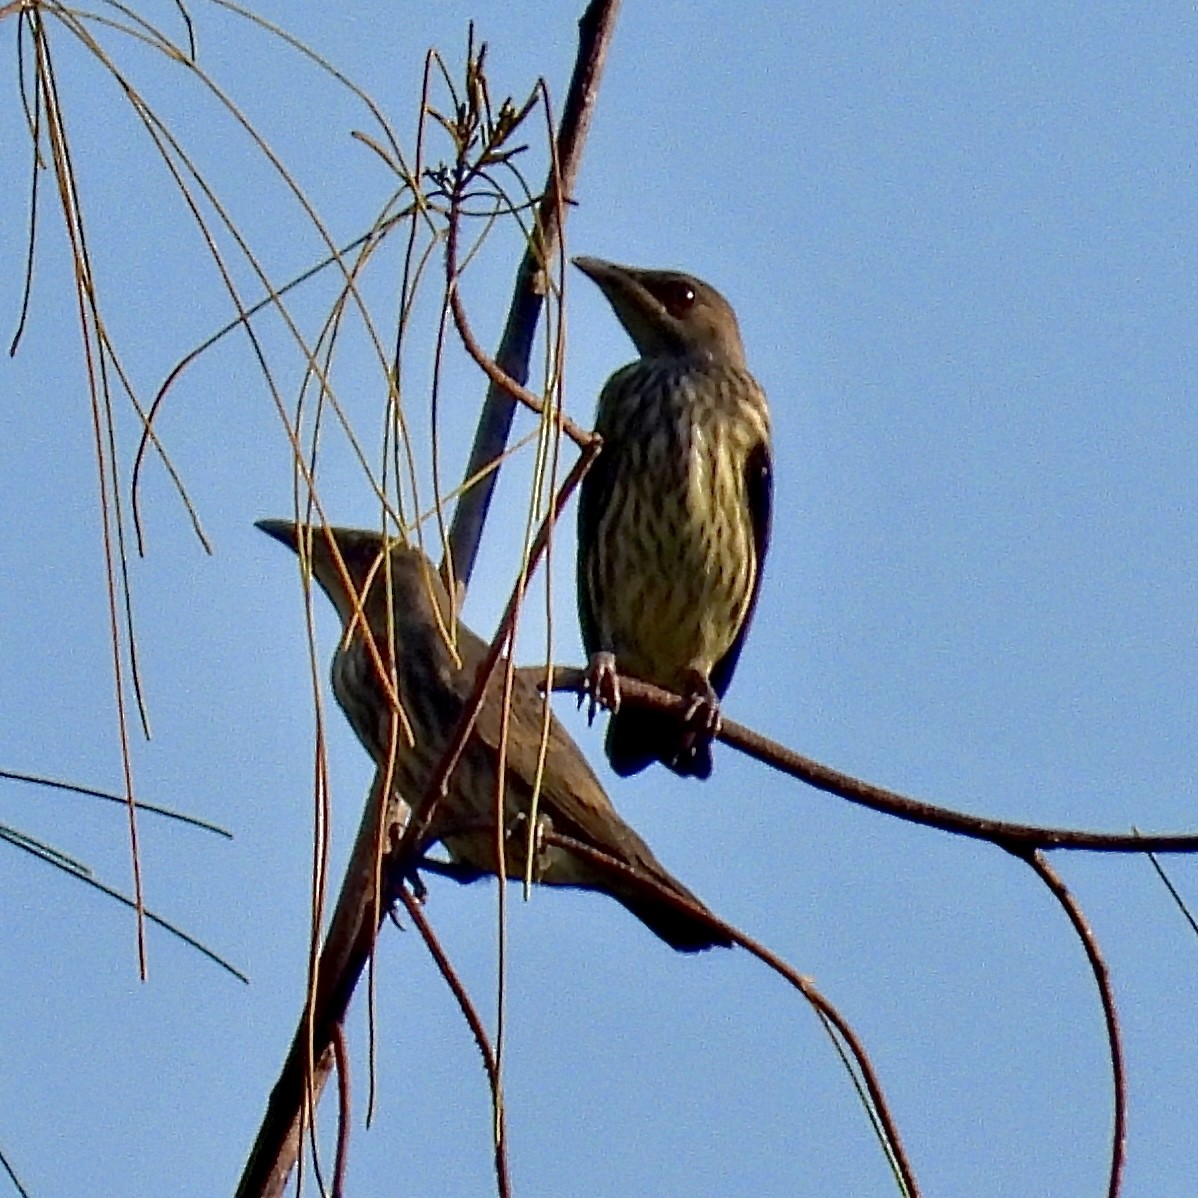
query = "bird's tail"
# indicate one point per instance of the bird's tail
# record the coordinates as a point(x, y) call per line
point(679, 929)
point(638, 736)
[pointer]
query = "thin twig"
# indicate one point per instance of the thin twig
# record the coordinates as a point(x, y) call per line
point(1110, 1013)
point(82, 873)
point(475, 1023)
point(344, 1115)
point(889, 1126)
point(11, 1173)
point(150, 808)
point(1174, 893)
point(91, 326)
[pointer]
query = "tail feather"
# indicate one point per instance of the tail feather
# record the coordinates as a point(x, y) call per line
point(638, 736)
point(680, 930)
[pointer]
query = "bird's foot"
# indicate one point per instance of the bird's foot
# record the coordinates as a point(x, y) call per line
point(702, 713)
point(415, 883)
point(411, 880)
point(528, 842)
point(601, 685)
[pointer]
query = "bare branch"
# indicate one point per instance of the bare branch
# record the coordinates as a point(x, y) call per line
point(595, 30)
point(1005, 833)
point(474, 1021)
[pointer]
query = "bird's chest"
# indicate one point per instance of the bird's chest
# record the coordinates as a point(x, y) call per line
point(678, 540)
point(358, 687)
point(402, 709)
point(679, 445)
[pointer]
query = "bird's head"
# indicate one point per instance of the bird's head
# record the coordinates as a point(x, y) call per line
point(345, 558)
point(668, 313)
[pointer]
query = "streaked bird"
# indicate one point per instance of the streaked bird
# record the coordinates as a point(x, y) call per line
point(434, 683)
point(673, 517)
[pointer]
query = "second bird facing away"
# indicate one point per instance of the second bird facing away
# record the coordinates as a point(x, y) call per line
point(674, 516)
point(433, 688)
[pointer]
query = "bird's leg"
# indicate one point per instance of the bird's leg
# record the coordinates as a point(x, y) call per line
point(410, 874)
point(412, 880)
point(415, 883)
point(601, 684)
point(702, 713)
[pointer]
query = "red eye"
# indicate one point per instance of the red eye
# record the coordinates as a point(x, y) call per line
point(676, 296)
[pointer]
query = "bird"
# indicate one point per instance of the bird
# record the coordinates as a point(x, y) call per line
point(434, 658)
point(673, 517)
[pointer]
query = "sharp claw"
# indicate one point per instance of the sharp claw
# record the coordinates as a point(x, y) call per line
point(704, 716)
point(411, 880)
point(703, 711)
point(602, 685)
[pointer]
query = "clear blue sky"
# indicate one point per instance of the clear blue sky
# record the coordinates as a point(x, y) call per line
point(962, 242)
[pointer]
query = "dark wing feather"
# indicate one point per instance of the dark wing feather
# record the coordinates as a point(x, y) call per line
point(576, 803)
point(593, 497)
point(571, 795)
point(759, 491)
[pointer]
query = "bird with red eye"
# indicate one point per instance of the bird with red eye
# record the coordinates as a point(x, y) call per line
point(673, 517)
point(677, 295)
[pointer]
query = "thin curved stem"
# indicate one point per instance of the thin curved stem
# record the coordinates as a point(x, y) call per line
point(1110, 1013)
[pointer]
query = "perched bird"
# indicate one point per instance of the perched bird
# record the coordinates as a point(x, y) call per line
point(413, 634)
point(673, 517)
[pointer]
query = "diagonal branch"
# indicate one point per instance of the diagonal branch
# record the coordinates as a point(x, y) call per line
point(356, 918)
point(470, 1014)
point(347, 948)
point(595, 29)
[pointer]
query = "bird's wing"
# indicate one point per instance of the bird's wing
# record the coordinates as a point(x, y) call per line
point(594, 495)
point(571, 795)
point(759, 492)
point(575, 802)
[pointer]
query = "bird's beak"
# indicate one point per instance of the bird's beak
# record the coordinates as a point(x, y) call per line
point(622, 289)
point(644, 319)
point(309, 543)
point(286, 531)
point(602, 273)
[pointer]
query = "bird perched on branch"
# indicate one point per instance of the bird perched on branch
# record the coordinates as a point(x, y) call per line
point(409, 614)
point(673, 517)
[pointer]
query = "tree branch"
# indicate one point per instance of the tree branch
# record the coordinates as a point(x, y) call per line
point(595, 29)
point(1106, 994)
point(1005, 833)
